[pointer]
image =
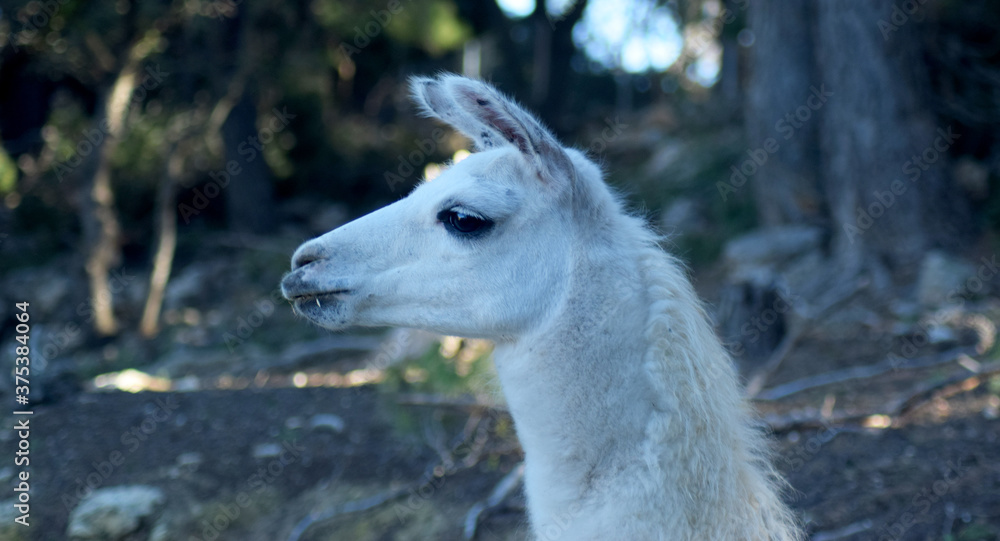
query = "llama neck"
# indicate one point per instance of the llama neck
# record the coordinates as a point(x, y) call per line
point(576, 389)
point(627, 407)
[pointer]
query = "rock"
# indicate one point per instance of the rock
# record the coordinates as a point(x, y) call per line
point(193, 284)
point(941, 276)
point(191, 458)
point(266, 450)
point(973, 177)
point(807, 277)
point(769, 272)
point(771, 246)
point(112, 513)
point(47, 288)
point(328, 421)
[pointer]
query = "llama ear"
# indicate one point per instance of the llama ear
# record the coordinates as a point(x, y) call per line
point(491, 120)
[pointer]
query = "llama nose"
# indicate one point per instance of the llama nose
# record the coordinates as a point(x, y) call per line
point(305, 255)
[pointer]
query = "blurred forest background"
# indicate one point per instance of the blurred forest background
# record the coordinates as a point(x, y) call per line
point(830, 170)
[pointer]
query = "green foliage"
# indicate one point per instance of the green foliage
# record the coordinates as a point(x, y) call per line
point(975, 532)
point(445, 370)
point(8, 173)
point(994, 385)
point(433, 26)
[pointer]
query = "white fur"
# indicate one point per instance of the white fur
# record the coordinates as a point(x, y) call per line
point(628, 408)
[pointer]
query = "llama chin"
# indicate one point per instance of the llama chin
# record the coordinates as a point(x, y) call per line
point(628, 408)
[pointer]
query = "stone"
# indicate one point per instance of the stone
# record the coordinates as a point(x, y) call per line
point(771, 246)
point(327, 421)
point(112, 513)
point(942, 276)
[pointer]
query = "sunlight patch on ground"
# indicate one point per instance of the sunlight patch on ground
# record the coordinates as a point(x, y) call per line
point(135, 381)
point(132, 381)
point(877, 421)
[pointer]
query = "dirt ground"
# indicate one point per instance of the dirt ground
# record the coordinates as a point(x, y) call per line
point(934, 476)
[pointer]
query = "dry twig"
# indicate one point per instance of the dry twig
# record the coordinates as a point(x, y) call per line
point(893, 412)
point(499, 494)
point(860, 372)
point(837, 298)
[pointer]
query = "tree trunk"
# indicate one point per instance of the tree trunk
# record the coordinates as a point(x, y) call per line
point(883, 158)
point(778, 116)
point(99, 221)
point(729, 88)
point(858, 149)
point(248, 196)
point(166, 226)
point(101, 230)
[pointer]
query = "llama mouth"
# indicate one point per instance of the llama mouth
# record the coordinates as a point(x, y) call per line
point(319, 299)
point(302, 292)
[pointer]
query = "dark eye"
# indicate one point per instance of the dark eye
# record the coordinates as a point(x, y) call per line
point(464, 224)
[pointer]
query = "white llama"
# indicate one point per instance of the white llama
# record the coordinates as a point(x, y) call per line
point(632, 420)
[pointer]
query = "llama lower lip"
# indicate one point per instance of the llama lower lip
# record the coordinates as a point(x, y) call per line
point(318, 300)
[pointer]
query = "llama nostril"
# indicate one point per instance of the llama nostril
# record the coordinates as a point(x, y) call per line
point(303, 259)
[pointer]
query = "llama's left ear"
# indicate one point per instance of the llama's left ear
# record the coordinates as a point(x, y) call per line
point(491, 120)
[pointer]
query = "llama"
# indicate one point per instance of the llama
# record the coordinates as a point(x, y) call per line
point(628, 408)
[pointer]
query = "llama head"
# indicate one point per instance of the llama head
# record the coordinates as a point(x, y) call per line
point(482, 251)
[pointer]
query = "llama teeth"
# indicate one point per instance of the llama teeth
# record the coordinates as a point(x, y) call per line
point(317, 302)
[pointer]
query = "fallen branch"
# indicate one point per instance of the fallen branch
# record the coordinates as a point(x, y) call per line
point(445, 466)
point(503, 489)
point(947, 388)
point(846, 531)
point(861, 372)
point(345, 508)
point(891, 414)
point(838, 298)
